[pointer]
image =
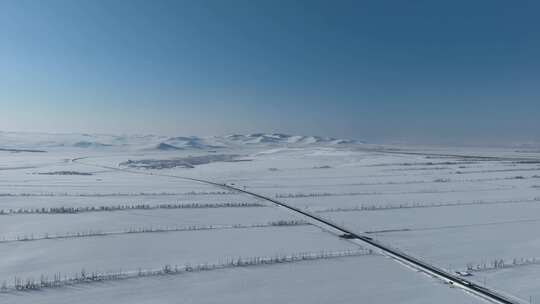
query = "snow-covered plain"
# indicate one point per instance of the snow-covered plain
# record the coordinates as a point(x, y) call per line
point(70, 202)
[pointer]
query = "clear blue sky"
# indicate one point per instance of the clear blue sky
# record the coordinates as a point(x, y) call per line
point(376, 70)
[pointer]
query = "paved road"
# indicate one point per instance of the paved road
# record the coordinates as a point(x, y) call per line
point(394, 253)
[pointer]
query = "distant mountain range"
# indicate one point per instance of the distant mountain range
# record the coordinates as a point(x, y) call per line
point(16, 140)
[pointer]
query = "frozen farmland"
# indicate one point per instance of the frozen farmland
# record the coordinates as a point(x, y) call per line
point(264, 218)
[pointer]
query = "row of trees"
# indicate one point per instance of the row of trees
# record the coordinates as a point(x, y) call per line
point(500, 263)
point(322, 194)
point(96, 233)
point(61, 280)
point(81, 209)
point(365, 207)
point(50, 194)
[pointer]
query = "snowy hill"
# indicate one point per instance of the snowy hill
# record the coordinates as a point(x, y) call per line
point(15, 140)
point(192, 142)
point(285, 139)
point(167, 147)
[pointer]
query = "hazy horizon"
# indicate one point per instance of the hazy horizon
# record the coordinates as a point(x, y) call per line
point(460, 72)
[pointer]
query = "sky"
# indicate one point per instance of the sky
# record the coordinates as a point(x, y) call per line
point(412, 71)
